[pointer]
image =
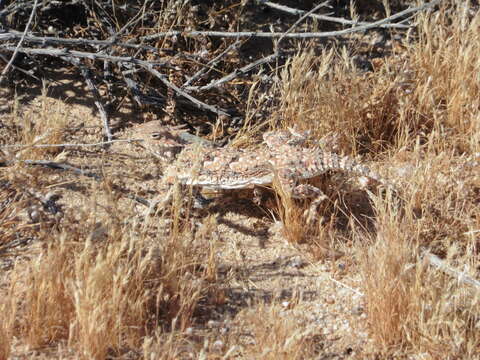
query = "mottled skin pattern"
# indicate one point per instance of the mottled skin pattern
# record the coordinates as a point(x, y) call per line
point(281, 156)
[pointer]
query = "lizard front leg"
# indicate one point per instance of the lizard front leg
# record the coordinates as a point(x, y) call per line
point(304, 191)
point(290, 188)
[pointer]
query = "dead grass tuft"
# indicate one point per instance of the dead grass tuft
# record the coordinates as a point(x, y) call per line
point(267, 332)
point(106, 281)
point(103, 290)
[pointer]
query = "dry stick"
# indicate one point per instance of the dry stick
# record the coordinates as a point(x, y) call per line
point(138, 96)
point(102, 143)
point(26, 72)
point(179, 91)
point(118, 59)
point(293, 11)
point(211, 64)
point(24, 5)
point(62, 166)
point(134, 90)
point(83, 54)
point(440, 264)
point(306, 35)
point(134, 20)
point(254, 64)
point(97, 98)
point(184, 136)
point(114, 38)
point(12, 59)
point(234, 74)
point(47, 40)
point(77, 171)
point(295, 24)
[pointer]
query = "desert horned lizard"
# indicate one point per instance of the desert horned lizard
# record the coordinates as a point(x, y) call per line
point(281, 156)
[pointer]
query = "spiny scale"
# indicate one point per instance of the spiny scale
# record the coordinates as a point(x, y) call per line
point(282, 155)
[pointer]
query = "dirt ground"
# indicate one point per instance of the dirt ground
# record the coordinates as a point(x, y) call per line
point(248, 284)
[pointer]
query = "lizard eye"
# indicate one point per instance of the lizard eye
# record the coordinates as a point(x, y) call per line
point(155, 135)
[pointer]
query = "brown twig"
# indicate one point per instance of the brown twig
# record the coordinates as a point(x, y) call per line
point(96, 95)
point(19, 44)
point(305, 35)
point(236, 73)
point(342, 21)
point(77, 171)
point(149, 66)
point(198, 103)
point(208, 66)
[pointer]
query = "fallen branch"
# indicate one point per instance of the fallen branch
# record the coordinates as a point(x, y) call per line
point(144, 64)
point(96, 95)
point(47, 40)
point(71, 145)
point(198, 103)
point(26, 72)
point(342, 21)
point(83, 54)
point(61, 166)
point(440, 264)
point(77, 171)
point(305, 35)
point(238, 72)
point(19, 44)
point(208, 66)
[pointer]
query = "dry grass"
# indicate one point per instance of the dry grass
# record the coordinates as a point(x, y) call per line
point(418, 113)
point(106, 281)
point(102, 286)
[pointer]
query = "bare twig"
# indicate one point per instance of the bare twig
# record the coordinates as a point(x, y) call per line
point(19, 44)
point(25, 5)
point(306, 35)
point(97, 98)
point(183, 135)
point(47, 40)
point(28, 73)
point(236, 73)
point(83, 54)
point(342, 21)
point(295, 24)
point(346, 286)
point(440, 264)
point(71, 145)
point(198, 103)
point(210, 64)
point(134, 20)
point(62, 166)
point(149, 66)
point(77, 171)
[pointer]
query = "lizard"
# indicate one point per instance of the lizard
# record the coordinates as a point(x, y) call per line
point(281, 157)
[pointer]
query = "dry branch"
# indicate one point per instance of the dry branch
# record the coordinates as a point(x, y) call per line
point(19, 44)
point(210, 64)
point(440, 264)
point(48, 40)
point(82, 54)
point(239, 72)
point(342, 21)
point(96, 95)
point(149, 66)
point(77, 171)
point(114, 51)
point(198, 103)
point(305, 35)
